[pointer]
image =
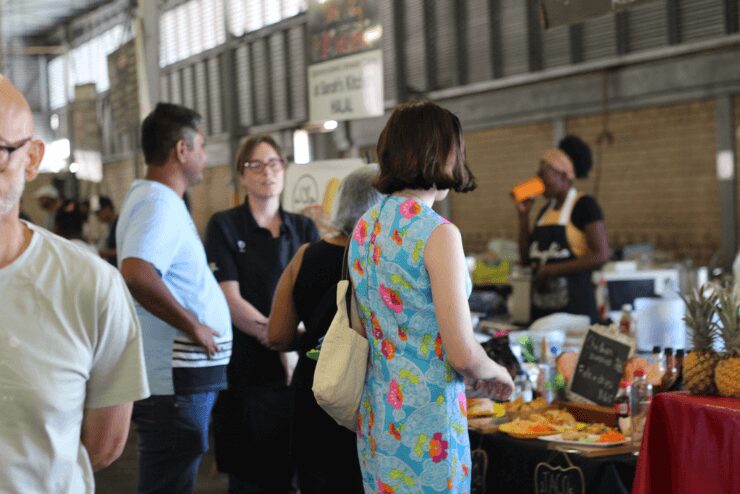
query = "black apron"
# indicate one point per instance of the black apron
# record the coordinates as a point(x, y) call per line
point(548, 244)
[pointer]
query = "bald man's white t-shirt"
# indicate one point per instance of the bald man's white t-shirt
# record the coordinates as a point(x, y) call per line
point(69, 340)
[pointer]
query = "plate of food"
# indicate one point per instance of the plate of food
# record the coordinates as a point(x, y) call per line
point(527, 429)
point(484, 407)
point(581, 438)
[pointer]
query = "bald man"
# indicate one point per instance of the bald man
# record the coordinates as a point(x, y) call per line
point(71, 360)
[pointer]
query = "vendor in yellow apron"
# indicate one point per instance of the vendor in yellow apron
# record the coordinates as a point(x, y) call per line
point(557, 239)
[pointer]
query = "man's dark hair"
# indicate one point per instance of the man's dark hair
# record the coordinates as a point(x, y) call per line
point(414, 147)
point(105, 202)
point(163, 127)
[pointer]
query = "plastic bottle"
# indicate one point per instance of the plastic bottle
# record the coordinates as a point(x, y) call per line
point(622, 407)
point(523, 386)
point(670, 370)
point(602, 295)
point(678, 382)
point(626, 322)
point(736, 271)
point(641, 396)
point(657, 367)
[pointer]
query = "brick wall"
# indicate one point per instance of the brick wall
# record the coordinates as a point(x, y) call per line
point(214, 194)
point(658, 182)
point(657, 185)
point(211, 195)
point(117, 178)
point(499, 159)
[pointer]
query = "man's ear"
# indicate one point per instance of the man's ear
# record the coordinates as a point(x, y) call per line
point(180, 148)
point(36, 155)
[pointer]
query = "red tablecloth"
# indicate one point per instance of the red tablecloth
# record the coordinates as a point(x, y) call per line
point(691, 445)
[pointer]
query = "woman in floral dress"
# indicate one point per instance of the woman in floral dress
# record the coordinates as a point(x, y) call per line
point(411, 284)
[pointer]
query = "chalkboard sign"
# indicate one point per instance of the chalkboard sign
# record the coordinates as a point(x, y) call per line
point(600, 366)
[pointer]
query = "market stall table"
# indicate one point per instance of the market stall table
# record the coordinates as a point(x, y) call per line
point(511, 464)
point(691, 444)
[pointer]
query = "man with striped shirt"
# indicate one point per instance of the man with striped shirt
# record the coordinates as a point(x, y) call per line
point(185, 320)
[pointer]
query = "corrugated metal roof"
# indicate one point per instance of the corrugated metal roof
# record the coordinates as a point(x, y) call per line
point(21, 18)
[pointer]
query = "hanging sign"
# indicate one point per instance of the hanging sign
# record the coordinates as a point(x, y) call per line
point(345, 80)
point(311, 190)
point(337, 28)
point(347, 88)
point(558, 12)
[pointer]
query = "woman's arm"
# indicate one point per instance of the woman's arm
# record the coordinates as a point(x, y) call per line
point(595, 257)
point(282, 327)
point(523, 209)
point(445, 262)
point(244, 315)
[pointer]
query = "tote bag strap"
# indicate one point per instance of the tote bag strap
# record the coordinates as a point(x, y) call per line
point(345, 276)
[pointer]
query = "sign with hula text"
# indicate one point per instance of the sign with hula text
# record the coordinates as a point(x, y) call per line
point(311, 190)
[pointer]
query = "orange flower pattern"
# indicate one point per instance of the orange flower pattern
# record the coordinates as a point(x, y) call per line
point(358, 267)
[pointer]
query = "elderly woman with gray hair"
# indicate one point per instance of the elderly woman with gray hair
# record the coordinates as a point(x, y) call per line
point(306, 293)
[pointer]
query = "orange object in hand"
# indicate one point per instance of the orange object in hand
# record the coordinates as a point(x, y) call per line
point(529, 189)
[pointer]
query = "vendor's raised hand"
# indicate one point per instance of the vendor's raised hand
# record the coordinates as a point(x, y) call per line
point(524, 207)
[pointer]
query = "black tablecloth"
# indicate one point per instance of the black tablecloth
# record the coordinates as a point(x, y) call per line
point(511, 466)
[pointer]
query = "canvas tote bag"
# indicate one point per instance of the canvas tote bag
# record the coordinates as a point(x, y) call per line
point(340, 371)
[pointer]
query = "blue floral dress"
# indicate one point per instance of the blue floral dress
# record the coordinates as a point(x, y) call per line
point(412, 432)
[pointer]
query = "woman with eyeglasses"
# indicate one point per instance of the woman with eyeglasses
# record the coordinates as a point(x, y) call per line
point(568, 241)
point(248, 247)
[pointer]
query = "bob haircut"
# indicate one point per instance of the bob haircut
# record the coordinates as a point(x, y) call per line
point(356, 195)
point(246, 149)
point(414, 147)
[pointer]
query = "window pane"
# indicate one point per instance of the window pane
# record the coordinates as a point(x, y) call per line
point(272, 11)
point(254, 15)
point(236, 17)
point(293, 7)
point(209, 23)
point(220, 27)
point(183, 32)
point(57, 97)
point(196, 27)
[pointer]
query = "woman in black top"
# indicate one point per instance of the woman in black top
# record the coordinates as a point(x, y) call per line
point(307, 292)
point(568, 241)
point(248, 248)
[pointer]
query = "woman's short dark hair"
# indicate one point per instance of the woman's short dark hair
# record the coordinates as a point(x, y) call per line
point(579, 153)
point(414, 147)
point(247, 147)
point(163, 127)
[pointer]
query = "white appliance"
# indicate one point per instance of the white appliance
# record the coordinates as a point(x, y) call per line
point(653, 295)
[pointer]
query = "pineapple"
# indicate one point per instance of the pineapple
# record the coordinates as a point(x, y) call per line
point(727, 373)
point(700, 363)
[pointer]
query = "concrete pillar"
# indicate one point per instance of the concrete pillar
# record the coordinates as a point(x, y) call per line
point(147, 54)
point(726, 176)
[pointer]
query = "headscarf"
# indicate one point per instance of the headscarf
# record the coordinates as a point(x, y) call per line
point(560, 161)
